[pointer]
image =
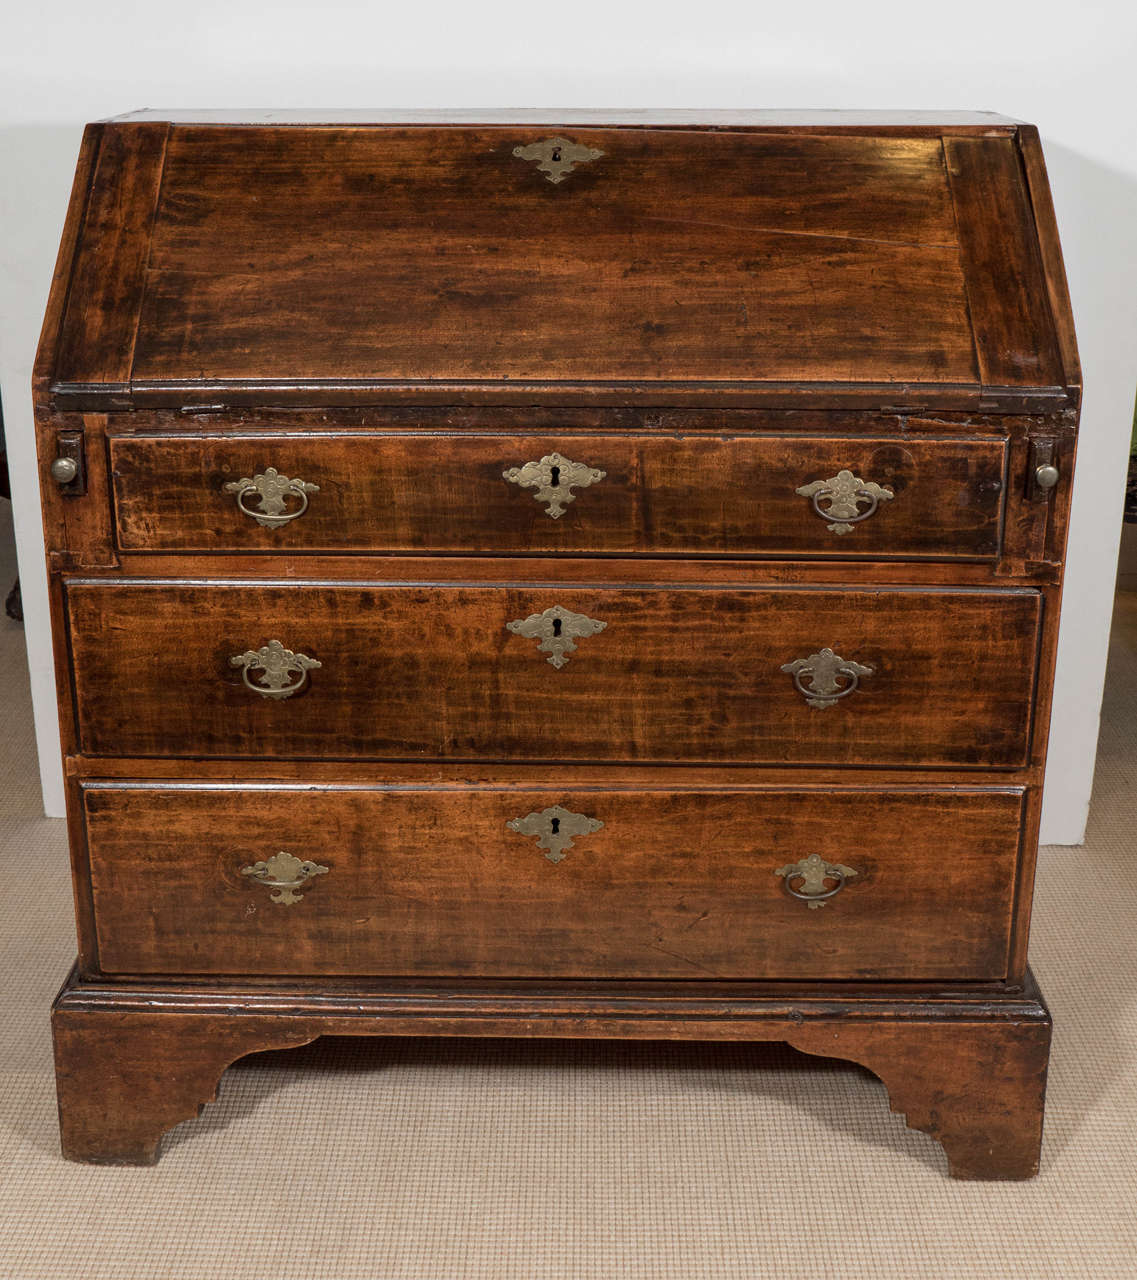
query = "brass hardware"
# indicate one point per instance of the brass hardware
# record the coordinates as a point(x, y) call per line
point(557, 157)
point(844, 493)
point(64, 470)
point(555, 828)
point(823, 669)
point(68, 468)
point(1042, 470)
point(556, 628)
point(554, 478)
point(284, 874)
point(813, 872)
point(271, 489)
point(285, 672)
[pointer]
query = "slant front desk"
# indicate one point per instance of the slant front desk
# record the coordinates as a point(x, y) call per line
point(561, 576)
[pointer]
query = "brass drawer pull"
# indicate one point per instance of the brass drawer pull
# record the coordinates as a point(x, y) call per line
point(64, 470)
point(285, 672)
point(556, 628)
point(270, 489)
point(825, 671)
point(844, 494)
point(554, 478)
point(814, 872)
point(284, 874)
point(556, 158)
point(555, 829)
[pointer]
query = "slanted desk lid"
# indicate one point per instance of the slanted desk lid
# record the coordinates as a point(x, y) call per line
point(820, 266)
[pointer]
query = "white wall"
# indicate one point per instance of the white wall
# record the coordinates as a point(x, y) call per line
point(1069, 68)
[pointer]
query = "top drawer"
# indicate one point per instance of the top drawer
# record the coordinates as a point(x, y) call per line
point(880, 497)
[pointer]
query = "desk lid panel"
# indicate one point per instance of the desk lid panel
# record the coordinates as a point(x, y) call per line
point(373, 264)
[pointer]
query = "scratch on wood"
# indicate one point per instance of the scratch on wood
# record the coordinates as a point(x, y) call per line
point(686, 959)
point(807, 235)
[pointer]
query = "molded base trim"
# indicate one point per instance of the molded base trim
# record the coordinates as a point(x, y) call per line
point(134, 1060)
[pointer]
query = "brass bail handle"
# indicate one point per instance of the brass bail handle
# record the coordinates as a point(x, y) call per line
point(844, 494)
point(285, 874)
point(264, 497)
point(283, 672)
point(814, 873)
point(830, 677)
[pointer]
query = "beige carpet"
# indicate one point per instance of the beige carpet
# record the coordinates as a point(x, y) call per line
point(394, 1160)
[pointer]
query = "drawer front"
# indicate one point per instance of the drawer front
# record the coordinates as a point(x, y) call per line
point(771, 675)
point(476, 881)
point(585, 493)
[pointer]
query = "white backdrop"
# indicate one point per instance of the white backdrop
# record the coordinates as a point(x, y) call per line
point(1069, 68)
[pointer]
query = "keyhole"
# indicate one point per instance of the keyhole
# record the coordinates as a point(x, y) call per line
point(556, 825)
point(556, 632)
point(557, 154)
point(554, 477)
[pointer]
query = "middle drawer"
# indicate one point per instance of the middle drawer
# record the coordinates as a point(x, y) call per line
point(770, 675)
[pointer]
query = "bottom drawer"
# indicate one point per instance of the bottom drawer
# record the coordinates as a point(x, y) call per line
point(511, 881)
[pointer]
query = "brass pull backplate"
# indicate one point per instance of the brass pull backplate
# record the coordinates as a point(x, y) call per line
point(554, 477)
point(554, 829)
point(556, 629)
point(814, 872)
point(556, 158)
point(844, 494)
point(284, 672)
point(829, 675)
point(262, 497)
point(284, 874)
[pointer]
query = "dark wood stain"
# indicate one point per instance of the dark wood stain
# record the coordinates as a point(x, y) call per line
point(836, 264)
point(448, 493)
point(671, 886)
point(715, 312)
point(999, 249)
point(433, 672)
point(969, 1069)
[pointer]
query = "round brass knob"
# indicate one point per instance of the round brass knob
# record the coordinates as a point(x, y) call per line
point(1046, 476)
point(64, 470)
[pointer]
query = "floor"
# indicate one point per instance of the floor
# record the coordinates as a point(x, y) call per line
point(541, 1161)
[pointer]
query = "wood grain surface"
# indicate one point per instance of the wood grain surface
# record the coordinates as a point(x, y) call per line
point(99, 326)
point(771, 266)
point(967, 1068)
point(712, 313)
point(412, 492)
point(435, 882)
point(594, 278)
point(430, 671)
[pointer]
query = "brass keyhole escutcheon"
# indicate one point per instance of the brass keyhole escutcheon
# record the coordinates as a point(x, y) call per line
point(554, 828)
point(554, 477)
point(556, 158)
point(557, 630)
